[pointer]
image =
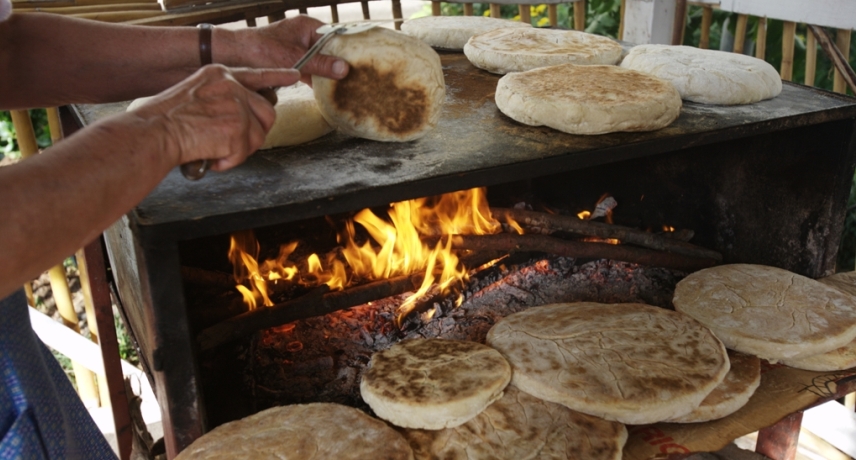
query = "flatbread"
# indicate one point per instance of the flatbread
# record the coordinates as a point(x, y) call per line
point(740, 383)
point(318, 431)
point(298, 119)
point(452, 32)
point(433, 383)
point(394, 90)
point(517, 50)
point(588, 99)
point(520, 426)
point(708, 76)
point(840, 358)
point(768, 312)
point(631, 363)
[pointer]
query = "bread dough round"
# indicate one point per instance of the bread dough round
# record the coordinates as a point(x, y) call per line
point(588, 99)
point(740, 383)
point(452, 32)
point(517, 50)
point(318, 431)
point(521, 426)
point(433, 383)
point(394, 90)
point(632, 363)
point(768, 312)
point(708, 76)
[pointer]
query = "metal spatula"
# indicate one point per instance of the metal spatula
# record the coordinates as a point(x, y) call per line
point(195, 170)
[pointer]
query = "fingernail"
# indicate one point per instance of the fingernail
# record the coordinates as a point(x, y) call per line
point(339, 68)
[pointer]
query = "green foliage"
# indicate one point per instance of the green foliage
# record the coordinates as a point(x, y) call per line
point(127, 351)
point(8, 142)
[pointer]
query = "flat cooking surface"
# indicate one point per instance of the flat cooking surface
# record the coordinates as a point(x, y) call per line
point(473, 145)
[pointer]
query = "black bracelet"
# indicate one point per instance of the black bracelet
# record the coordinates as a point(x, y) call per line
point(205, 43)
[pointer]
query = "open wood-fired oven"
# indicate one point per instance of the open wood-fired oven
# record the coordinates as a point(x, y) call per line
point(765, 183)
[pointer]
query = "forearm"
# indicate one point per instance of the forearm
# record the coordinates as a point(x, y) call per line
point(56, 202)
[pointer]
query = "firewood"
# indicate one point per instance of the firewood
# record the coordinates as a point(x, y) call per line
point(317, 303)
point(555, 222)
point(551, 245)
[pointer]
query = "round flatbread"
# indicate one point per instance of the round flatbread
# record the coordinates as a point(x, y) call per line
point(521, 426)
point(394, 90)
point(740, 383)
point(632, 363)
point(298, 119)
point(433, 383)
point(588, 99)
point(708, 76)
point(452, 32)
point(517, 50)
point(768, 312)
point(844, 282)
point(317, 431)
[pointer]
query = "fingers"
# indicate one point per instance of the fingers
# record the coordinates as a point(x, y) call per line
point(326, 66)
point(255, 79)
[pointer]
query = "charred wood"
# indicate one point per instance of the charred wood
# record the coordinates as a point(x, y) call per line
point(555, 222)
point(201, 276)
point(316, 303)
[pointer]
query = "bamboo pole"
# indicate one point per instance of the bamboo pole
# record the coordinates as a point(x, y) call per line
point(621, 10)
point(120, 16)
point(740, 33)
point(788, 36)
point(89, 308)
point(580, 15)
point(365, 5)
point(436, 8)
point(680, 22)
point(706, 21)
point(553, 14)
point(850, 402)
point(18, 5)
point(468, 9)
point(334, 13)
point(761, 39)
point(525, 16)
point(86, 387)
point(810, 57)
point(835, 55)
point(93, 8)
point(25, 134)
point(54, 125)
point(842, 41)
point(495, 11)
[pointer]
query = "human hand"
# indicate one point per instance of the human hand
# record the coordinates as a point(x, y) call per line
point(215, 114)
point(279, 45)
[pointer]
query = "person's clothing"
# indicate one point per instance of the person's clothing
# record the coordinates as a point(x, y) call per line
point(41, 416)
point(5, 9)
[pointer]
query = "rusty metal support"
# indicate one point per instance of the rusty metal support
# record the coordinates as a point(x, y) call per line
point(779, 441)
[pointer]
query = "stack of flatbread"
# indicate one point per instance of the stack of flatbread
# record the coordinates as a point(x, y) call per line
point(452, 32)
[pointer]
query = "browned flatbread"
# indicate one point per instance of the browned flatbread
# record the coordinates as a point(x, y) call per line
point(734, 392)
point(768, 312)
point(520, 426)
point(317, 431)
point(632, 363)
point(433, 383)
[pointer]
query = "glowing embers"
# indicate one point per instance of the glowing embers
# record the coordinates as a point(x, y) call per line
point(403, 243)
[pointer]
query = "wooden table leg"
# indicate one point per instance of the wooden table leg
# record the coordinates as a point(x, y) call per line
point(779, 441)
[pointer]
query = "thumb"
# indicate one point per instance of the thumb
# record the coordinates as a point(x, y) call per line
point(255, 79)
point(326, 66)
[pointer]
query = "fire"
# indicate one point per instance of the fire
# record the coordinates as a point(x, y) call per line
point(395, 247)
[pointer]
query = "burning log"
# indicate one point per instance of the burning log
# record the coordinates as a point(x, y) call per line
point(553, 222)
point(576, 249)
point(317, 303)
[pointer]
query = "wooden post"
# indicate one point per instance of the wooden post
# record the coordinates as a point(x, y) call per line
point(89, 308)
point(740, 33)
point(650, 21)
point(495, 11)
point(706, 21)
point(251, 21)
point(553, 13)
point(788, 37)
point(468, 9)
point(621, 19)
point(365, 5)
point(835, 55)
point(810, 57)
point(436, 9)
point(761, 39)
point(396, 13)
point(334, 13)
point(680, 22)
point(276, 17)
point(580, 15)
point(779, 441)
point(303, 10)
point(842, 41)
point(525, 17)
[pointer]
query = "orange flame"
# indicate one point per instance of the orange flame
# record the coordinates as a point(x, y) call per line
point(394, 248)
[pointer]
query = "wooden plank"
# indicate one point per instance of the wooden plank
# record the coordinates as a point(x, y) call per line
point(580, 15)
point(92, 8)
point(680, 22)
point(706, 21)
point(396, 13)
point(810, 58)
point(740, 33)
point(18, 4)
point(495, 10)
point(842, 41)
point(334, 13)
point(468, 9)
point(213, 15)
point(779, 441)
point(436, 9)
point(120, 16)
point(621, 10)
point(788, 38)
point(761, 39)
point(840, 14)
point(523, 11)
point(365, 6)
point(553, 14)
point(834, 54)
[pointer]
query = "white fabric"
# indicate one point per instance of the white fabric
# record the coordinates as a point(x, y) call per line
point(5, 9)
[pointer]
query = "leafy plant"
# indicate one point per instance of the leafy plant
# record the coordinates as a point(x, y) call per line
point(8, 140)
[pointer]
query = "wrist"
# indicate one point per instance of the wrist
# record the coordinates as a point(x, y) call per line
point(224, 47)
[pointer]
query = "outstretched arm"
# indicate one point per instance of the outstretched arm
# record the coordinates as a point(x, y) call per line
point(49, 60)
